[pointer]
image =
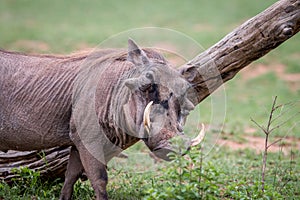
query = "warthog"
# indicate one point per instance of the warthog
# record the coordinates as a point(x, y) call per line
point(99, 103)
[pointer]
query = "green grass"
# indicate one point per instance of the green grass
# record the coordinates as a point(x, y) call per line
point(66, 26)
point(63, 25)
point(223, 174)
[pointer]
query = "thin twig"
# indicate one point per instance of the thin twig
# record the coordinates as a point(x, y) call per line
point(200, 174)
point(284, 122)
point(274, 142)
point(268, 130)
point(259, 126)
point(271, 114)
point(267, 133)
point(290, 104)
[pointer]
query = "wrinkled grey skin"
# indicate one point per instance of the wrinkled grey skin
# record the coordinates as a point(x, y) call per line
point(37, 107)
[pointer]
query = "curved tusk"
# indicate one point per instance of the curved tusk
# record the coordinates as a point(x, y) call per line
point(199, 138)
point(146, 117)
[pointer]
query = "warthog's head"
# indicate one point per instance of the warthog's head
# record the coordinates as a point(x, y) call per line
point(159, 95)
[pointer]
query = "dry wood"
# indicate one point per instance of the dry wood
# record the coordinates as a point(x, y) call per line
point(51, 163)
point(250, 41)
point(206, 72)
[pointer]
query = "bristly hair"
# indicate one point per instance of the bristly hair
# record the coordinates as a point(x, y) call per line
point(113, 54)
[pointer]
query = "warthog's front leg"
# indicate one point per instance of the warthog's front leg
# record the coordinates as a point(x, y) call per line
point(96, 173)
point(74, 171)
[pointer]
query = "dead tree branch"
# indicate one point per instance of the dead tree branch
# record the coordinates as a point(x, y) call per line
point(247, 43)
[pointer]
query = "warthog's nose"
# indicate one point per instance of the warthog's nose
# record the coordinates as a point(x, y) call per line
point(163, 153)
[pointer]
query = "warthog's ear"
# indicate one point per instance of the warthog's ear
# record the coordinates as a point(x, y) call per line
point(132, 83)
point(142, 83)
point(136, 55)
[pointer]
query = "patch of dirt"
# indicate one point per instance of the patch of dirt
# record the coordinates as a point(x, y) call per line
point(30, 46)
point(258, 144)
point(203, 27)
point(256, 70)
point(82, 46)
point(295, 56)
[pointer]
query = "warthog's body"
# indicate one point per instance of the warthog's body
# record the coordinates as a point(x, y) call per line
point(36, 97)
point(39, 106)
point(35, 101)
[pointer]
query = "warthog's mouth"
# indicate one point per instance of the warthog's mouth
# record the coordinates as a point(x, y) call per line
point(166, 153)
point(165, 148)
point(163, 153)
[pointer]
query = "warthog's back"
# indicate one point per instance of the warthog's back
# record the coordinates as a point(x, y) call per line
point(35, 101)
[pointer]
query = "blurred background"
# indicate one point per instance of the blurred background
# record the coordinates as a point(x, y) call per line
point(63, 27)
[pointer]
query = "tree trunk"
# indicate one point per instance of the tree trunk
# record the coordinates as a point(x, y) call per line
point(250, 41)
point(206, 72)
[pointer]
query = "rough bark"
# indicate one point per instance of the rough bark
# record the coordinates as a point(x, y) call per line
point(250, 41)
point(51, 163)
point(220, 63)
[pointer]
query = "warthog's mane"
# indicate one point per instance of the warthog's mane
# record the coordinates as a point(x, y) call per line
point(99, 54)
point(111, 94)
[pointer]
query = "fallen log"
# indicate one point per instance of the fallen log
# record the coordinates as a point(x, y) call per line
point(51, 163)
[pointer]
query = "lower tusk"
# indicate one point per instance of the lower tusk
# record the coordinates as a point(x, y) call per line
point(199, 138)
point(146, 117)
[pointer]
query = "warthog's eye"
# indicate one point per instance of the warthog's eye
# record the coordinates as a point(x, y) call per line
point(151, 88)
point(145, 87)
point(151, 92)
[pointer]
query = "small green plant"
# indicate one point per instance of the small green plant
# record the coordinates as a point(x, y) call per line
point(267, 130)
point(28, 185)
point(83, 190)
point(187, 177)
point(28, 179)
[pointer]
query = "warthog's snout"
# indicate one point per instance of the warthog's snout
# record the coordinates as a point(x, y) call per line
point(179, 144)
